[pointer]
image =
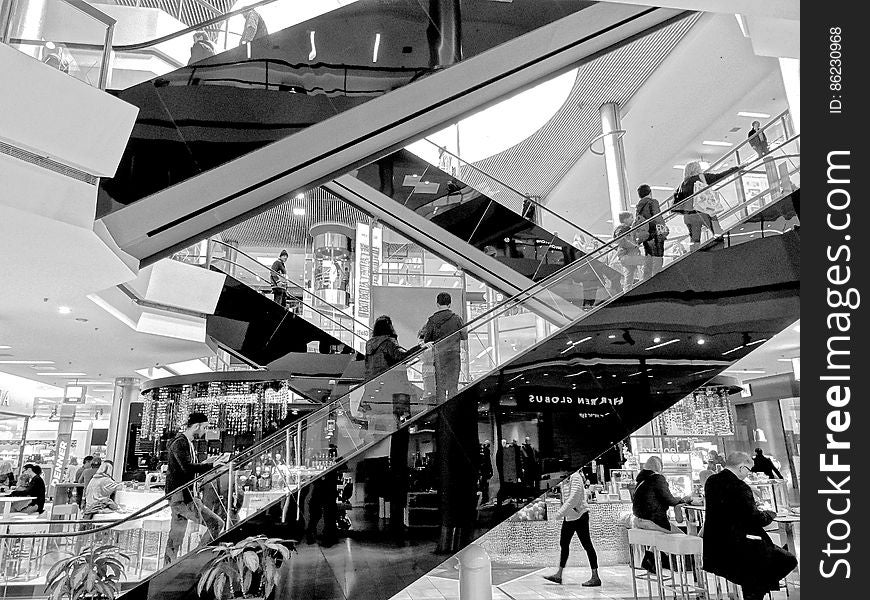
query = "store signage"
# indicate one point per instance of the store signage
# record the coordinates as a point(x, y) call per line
point(74, 394)
point(12, 403)
point(591, 407)
point(367, 262)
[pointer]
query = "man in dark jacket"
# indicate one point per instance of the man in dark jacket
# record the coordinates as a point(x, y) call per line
point(181, 470)
point(736, 546)
point(763, 464)
point(278, 277)
point(442, 324)
point(35, 488)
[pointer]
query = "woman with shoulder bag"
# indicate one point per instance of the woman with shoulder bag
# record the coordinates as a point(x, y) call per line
point(387, 396)
point(696, 202)
point(656, 232)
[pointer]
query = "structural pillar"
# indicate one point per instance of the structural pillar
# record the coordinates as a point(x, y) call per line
point(790, 68)
point(614, 160)
point(444, 33)
point(126, 390)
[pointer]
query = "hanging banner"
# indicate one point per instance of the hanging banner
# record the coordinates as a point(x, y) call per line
point(367, 262)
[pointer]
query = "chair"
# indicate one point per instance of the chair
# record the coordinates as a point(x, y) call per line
point(59, 517)
point(160, 526)
point(21, 549)
point(639, 541)
point(678, 546)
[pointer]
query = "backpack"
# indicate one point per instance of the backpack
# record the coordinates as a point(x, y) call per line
point(707, 200)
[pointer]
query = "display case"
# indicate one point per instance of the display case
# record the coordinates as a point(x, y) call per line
point(621, 481)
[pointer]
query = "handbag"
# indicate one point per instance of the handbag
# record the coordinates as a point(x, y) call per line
point(707, 200)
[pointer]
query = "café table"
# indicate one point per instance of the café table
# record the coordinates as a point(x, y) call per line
point(6, 503)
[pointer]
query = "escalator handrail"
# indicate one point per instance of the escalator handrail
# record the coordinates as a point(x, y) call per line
point(525, 197)
point(286, 279)
point(218, 471)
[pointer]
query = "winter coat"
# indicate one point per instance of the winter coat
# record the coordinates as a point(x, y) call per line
point(736, 546)
point(574, 503)
point(652, 498)
point(441, 324)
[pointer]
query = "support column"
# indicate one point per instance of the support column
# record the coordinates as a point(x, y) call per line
point(126, 390)
point(790, 69)
point(614, 160)
point(444, 33)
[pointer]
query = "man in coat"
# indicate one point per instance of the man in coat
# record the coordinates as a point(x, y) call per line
point(736, 546)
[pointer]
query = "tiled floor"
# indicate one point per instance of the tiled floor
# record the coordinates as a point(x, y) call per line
point(532, 586)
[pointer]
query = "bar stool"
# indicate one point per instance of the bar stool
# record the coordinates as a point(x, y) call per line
point(159, 526)
point(640, 540)
point(678, 546)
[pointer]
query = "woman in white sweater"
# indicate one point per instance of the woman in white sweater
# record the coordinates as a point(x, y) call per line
point(575, 513)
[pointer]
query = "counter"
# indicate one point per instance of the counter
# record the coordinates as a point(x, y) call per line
point(536, 543)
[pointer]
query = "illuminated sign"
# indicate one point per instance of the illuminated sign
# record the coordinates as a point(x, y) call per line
point(74, 394)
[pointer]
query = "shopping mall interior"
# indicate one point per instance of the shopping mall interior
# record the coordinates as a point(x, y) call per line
point(474, 171)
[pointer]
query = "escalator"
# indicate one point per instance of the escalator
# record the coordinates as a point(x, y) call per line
point(309, 338)
point(589, 384)
point(227, 137)
point(485, 237)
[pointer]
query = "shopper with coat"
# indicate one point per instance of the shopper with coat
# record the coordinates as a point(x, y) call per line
point(575, 512)
point(654, 234)
point(387, 396)
point(687, 199)
point(736, 546)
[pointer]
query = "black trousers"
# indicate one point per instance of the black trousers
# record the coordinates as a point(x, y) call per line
point(581, 528)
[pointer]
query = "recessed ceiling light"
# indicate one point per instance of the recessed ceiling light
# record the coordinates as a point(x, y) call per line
point(611, 336)
point(701, 342)
point(64, 310)
point(717, 143)
point(679, 166)
point(298, 211)
point(656, 340)
point(26, 362)
point(663, 344)
point(63, 374)
point(753, 115)
point(5, 347)
point(788, 360)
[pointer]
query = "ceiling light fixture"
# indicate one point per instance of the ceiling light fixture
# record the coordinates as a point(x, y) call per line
point(63, 374)
point(298, 211)
point(745, 371)
point(5, 347)
point(26, 362)
point(701, 342)
point(663, 344)
point(64, 310)
point(377, 47)
point(313, 54)
point(681, 167)
point(717, 143)
point(656, 340)
point(753, 115)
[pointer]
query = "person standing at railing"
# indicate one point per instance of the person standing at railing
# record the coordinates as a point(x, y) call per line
point(442, 324)
point(758, 141)
point(255, 27)
point(656, 232)
point(182, 469)
point(627, 250)
point(684, 199)
point(278, 276)
point(201, 49)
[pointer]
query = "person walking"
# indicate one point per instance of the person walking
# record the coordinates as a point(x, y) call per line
point(445, 323)
point(656, 232)
point(627, 250)
point(183, 468)
point(736, 546)
point(762, 464)
point(278, 277)
point(575, 514)
point(695, 181)
point(758, 140)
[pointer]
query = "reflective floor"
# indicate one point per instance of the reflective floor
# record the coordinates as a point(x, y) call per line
point(511, 584)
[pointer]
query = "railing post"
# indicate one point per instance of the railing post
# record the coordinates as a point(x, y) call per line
point(105, 66)
point(231, 475)
point(475, 574)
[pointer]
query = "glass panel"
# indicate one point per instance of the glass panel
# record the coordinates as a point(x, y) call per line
point(60, 35)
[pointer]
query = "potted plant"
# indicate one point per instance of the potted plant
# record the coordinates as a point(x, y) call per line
point(237, 567)
point(95, 573)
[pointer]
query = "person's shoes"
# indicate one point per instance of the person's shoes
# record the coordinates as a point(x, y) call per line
point(648, 563)
point(593, 582)
point(553, 578)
